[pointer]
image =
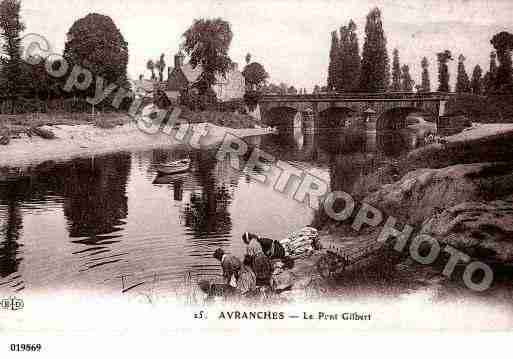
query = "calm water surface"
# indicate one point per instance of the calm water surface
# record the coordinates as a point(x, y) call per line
point(86, 223)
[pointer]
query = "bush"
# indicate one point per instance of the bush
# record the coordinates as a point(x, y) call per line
point(199, 102)
point(491, 109)
point(251, 99)
point(236, 105)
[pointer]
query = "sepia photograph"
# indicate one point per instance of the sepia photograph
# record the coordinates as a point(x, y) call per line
point(278, 166)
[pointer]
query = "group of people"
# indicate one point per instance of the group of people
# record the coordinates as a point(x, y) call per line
point(255, 271)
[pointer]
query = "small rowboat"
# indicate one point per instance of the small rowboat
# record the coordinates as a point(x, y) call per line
point(174, 167)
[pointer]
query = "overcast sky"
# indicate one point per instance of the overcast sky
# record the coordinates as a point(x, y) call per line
point(290, 38)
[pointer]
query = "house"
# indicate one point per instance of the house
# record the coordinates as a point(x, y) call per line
point(143, 87)
point(183, 76)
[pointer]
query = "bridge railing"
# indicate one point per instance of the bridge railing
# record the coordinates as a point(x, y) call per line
point(359, 95)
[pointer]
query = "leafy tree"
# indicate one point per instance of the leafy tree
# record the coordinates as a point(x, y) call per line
point(150, 65)
point(396, 72)
point(333, 64)
point(207, 43)
point(11, 28)
point(489, 78)
point(426, 83)
point(406, 80)
point(255, 74)
point(316, 90)
point(161, 66)
point(375, 70)
point(443, 70)
point(292, 90)
point(503, 44)
point(476, 83)
point(37, 76)
point(462, 81)
point(95, 43)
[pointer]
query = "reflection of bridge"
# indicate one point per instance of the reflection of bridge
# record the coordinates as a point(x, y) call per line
point(375, 110)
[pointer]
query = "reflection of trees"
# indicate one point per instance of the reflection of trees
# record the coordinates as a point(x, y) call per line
point(391, 142)
point(285, 146)
point(95, 196)
point(207, 212)
point(346, 152)
point(10, 230)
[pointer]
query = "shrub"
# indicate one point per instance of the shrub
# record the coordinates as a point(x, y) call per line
point(251, 99)
point(491, 109)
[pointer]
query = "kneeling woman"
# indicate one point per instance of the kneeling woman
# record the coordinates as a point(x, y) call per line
point(257, 259)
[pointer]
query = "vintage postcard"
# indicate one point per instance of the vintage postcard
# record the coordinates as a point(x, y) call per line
point(275, 166)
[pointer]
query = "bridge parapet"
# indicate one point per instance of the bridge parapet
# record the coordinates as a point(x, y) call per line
point(360, 96)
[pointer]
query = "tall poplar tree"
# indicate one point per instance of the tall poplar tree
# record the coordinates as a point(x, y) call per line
point(489, 78)
point(332, 67)
point(476, 83)
point(462, 80)
point(443, 71)
point(341, 80)
point(375, 72)
point(353, 65)
point(11, 28)
point(348, 60)
point(396, 72)
point(426, 83)
point(406, 80)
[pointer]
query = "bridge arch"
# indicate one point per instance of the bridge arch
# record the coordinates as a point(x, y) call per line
point(395, 118)
point(393, 134)
point(337, 117)
point(285, 118)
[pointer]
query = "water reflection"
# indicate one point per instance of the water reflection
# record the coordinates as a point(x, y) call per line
point(10, 228)
point(95, 197)
point(93, 220)
point(207, 212)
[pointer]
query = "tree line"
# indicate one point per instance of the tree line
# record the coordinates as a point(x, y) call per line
point(371, 72)
point(93, 43)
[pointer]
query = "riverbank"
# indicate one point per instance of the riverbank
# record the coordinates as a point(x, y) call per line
point(84, 140)
point(458, 192)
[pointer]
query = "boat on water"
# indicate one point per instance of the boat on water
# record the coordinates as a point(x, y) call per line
point(175, 167)
point(170, 179)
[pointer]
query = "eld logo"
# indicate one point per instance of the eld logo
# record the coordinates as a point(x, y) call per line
point(11, 303)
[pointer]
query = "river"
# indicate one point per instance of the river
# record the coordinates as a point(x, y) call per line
point(103, 225)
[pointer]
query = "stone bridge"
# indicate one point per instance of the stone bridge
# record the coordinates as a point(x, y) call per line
point(376, 111)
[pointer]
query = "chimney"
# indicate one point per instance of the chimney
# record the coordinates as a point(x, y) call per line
point(179, 60)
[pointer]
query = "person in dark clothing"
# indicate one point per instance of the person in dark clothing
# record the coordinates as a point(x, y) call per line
point(271, 248)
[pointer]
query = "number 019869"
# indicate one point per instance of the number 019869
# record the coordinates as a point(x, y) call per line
point(26, 347)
